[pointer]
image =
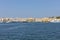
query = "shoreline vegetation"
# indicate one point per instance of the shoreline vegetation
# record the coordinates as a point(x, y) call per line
point(45, 19)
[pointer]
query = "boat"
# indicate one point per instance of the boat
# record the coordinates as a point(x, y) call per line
point(55, 21)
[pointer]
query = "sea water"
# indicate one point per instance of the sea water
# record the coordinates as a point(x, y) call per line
point(30, 31)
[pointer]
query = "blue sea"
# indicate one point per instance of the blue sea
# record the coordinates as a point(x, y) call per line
point(30, 31)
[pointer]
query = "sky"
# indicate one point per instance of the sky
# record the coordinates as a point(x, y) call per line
point(29, 8)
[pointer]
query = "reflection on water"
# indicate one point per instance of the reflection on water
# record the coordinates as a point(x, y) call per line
point(29, 31)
